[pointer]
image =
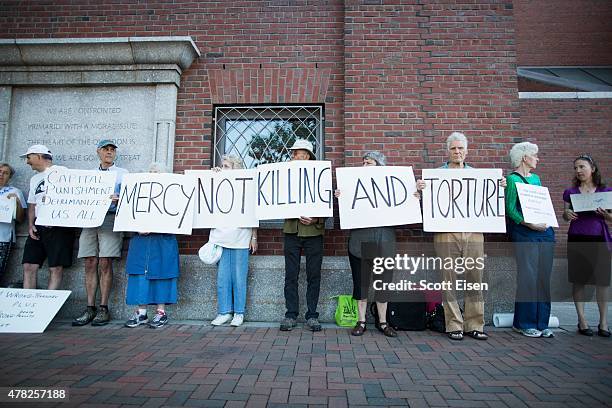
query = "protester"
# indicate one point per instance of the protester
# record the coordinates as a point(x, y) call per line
point(99, 246)
point(302, 233)
point(44, 242)
point(153, 269)
point(461, 245)
point(384, 240)
point(234, 263)
point(588, 243)
point(7, 230)
point(534, 249)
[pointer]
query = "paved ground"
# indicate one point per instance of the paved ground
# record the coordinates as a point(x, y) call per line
point(193, 364)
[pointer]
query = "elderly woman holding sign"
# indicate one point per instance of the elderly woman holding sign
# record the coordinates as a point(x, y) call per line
point(234, 263)
point(534, 249)
point(383, 237)
point(152, 267)
point(588, 241)
point(7, 229)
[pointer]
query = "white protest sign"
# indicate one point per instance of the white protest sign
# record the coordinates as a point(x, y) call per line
point(29, 310)
point(591, 202)
point(463, 200)
point(76, 198)
point(156, 202)
point(7, 209)
point(293, 189)
point(376, 196)
point(224, 199)
point(536, 205)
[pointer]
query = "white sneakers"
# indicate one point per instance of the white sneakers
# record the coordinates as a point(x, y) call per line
point(221, 319)
point(224, 318)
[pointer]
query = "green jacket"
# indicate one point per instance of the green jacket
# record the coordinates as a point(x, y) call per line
point(294, 226)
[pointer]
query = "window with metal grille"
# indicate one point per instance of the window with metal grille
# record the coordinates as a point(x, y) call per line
point(264, 134)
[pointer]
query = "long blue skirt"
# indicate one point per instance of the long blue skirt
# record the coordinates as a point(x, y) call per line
point(143, 291)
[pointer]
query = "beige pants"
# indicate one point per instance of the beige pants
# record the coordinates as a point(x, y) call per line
point(466, 245)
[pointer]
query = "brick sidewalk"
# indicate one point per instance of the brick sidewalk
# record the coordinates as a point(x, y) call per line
point(200, 366)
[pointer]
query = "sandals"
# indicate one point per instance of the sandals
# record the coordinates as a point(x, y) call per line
point(359, 329)
point(455, 335)
point(478, 335)
point(386, 329)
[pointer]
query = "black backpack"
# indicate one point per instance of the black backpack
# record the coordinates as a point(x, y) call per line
point(404, 315)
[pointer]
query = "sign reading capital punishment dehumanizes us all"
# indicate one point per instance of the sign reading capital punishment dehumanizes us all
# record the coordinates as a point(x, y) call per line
point(377, 196)
point(293, 189)
point(156, 202)
point(76, 198)
point(225, 198)
point(463, 200)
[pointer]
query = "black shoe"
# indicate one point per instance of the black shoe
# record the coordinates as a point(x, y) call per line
point(601, 332)
point(585, 332)
point(102, 317)
point(88, 315)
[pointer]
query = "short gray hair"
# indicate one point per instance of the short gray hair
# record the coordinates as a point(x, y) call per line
point(235, 161)
point(377, 156)
point(520, 150)
point(456, 136)
point(157, 167)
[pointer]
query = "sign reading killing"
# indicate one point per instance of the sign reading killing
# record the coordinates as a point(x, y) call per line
point(76, 198)
point(294, 189)
point(156, 202)
point(463, 200)
point(377, 196)
point(224, 199)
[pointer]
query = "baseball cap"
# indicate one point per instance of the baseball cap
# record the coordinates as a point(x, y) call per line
point(37, 149)
point(106, 142)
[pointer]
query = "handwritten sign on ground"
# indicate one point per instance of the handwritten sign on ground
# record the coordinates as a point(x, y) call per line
point(294, 189)
point(156, 202)
point(536, 205)
point(591, 202)
point(463, 200)
point(29, 310)
point(376, 196)
point(76, 198)
point(7, 209)
point(224, 199)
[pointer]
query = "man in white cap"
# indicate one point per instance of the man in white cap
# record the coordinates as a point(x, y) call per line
point(43, 242)
point(302, 233)
point(100, 245)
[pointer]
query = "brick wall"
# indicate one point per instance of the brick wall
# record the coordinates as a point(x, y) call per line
point(563, 32)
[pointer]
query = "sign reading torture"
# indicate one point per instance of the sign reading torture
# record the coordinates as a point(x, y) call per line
point(224, 199)
point(294, 189)
point(156, 202)
point(463, 200)
point(376, 196)
point(76, 198)
point(536, 205)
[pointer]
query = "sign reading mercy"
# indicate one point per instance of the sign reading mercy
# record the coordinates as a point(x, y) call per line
point(376, 196)
point(224, 199)
point(156, 202)
point(463, 200)
point(76, 198)
point(7, 209)
point(29, 310)
point(293, 189)
point(536, 205)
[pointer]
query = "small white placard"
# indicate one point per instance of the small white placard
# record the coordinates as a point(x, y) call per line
point(29, 310)
point(7, 209)
point(536, 205)
point(591, 202)
point(375, 196)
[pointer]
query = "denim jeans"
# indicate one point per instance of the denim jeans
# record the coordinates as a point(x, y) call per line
point(313, 250)
point(232, 279)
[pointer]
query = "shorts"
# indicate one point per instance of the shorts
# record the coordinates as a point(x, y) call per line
point(101, 241)
point(55, 245)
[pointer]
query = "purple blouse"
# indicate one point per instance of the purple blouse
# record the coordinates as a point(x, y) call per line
point(588, 222)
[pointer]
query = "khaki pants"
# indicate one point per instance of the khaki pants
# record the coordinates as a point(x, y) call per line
point(466, 245)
